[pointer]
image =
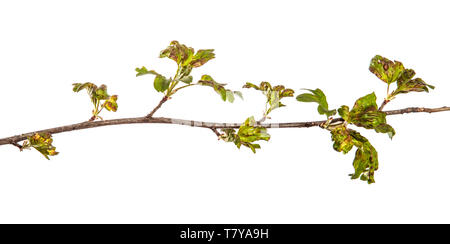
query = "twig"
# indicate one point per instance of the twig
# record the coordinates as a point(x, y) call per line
point(211, 125)
point(163, 100)
point(383, 104)
point(216, 132)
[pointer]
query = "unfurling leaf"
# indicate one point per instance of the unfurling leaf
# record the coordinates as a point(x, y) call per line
point(98, 94)
point(273, 94)
point(161, 83)
point(366, 157)
point(42, 142)
point(385, 69)
point(179, 53)
point(225, 94)
point(319, 97)
point(144, 71)
point(248, 133)
point(111, 103)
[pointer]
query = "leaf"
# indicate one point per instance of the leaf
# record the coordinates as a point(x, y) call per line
point(343, 141)
point(273, 94)
point(230, 96)
point(201, 57)
point(251, 85)
point(319, 97)
point(365, 114)
point(101, 93)
point(144, 71)
point(344, 112)
point(178, 52)
point(42, 142)
point(187, 79)
point(365, 162)
point(80, 86)
point(161, 83)
point(225, 94)
point(385, 69)
point(415, 85)
point(111, 103)
point(239, 94)
point(385, 128)
point(247, 133)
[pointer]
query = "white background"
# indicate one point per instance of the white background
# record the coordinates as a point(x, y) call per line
point(178, 174)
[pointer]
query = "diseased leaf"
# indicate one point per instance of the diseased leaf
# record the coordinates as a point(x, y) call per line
point(80, 86)
point(111, 103)
point(42, 142)
point(101, 93)
point(365, 114)
point(97, 94)
point(248, 133)
point(415, 85)
point(344, 112)
point(180, 53)
point(201, 57)
point(343, 141)
point(161, 83)
point(319, 97)
point(144, 71)
point(251, 85)
point(385, 69)
point(365, 162)
point(273, 94)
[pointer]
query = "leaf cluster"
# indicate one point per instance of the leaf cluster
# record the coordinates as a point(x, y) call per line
point(394, 71)
point(247, 133)
point(273, 94)
point(97, 95)
point(42, 142)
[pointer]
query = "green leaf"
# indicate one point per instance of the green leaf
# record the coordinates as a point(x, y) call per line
point(225, 94)
point(319, 97)
point(42, 142)
point(161, 83)
point(144, 71)
point(230, 96)
point(385, 128)
point(101, 93)
point(385, 69)
point(344, 112)
point(201, 57)
point(111, 103)
point(187, 79)
point(239, 94)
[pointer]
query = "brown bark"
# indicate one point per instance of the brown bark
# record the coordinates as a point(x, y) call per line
point(13, 140)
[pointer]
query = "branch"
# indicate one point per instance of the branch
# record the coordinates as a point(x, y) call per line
point(163, 100)
point(13, 140)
